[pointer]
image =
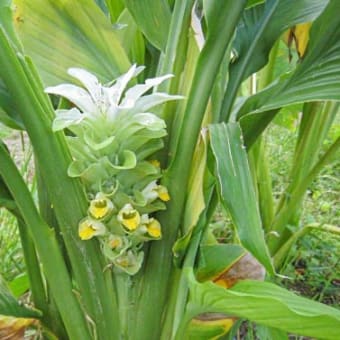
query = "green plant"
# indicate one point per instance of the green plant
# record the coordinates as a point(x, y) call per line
point(10, 249)
point(97, 175)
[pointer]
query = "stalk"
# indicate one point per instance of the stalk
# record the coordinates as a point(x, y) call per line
point(315, 124)
point(258, 151)
point(173, 61)
point(33, 268)
point(159, 261)
point(296, 196)
point(49, 253)
point(66, 194)
point(189, 261)
point(263, 182)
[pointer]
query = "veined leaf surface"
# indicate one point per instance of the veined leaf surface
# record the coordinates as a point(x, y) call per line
point(317, 77)
point(14, 317)
point(236, 189)
point(60, 34)
point(260, 27)
point(266, 304)
point(152, 18)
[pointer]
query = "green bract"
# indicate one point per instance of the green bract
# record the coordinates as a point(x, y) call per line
point(112, 139)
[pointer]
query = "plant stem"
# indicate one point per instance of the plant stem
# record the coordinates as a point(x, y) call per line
point(66, 194)
point(49, 253)
point(297, 194)
point(158, 266)
point(283, 252)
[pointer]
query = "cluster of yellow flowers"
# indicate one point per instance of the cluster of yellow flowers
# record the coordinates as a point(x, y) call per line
point(122, 229)
point(113, 139)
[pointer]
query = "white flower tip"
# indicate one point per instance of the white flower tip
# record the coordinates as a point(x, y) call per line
point(49, 89)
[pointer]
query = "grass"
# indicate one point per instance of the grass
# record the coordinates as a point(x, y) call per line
point(11, 264)
point(313, 267)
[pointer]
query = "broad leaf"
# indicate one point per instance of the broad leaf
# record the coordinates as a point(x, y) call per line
point(260, 27)
point(237, 190)
point(131, 38)
point(215, 259)
point(266, 304)
point(268, 333)
point(317, 77)
point(152, 18)
point(14, 317)
point(19, 285)
point(9, 306)
point(63, 34)
point(115, 8)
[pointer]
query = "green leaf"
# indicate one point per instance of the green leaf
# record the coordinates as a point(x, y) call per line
point(9, 115)
point(252, 3)
point(63, 34)
point(6, 198)
point(236, 189)
point(14, 317)
point(266, 304)
point(6, 22)
point(195, 202)
point(215, 259)
point(9, 306)
point(115, 8)
point(208, 326)
point(152, 18)
point(19, 285)
point(260, 27)
point(268, 333)
point(315, 78)
point(131, 38)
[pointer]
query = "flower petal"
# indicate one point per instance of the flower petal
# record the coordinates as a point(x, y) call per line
point(89, 80)
point(154, 228)
point(75, 94)
point(100, 207)
point(115, 92)
point(135, 92)
point(66, 118)
point(89, 228)
point(129, 217)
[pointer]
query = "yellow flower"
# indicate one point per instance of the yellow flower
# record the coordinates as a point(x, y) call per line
point(153, 191)
point(163, 193)
point(89, 228)
point(154, 228)
point(100, 207)
point(129, 217)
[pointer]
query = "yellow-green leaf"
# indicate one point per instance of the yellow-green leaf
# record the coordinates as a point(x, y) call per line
point(62, 34)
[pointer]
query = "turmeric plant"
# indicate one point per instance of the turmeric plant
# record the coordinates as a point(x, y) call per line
point(140, 125)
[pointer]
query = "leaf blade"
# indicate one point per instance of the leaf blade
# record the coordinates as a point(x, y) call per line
point(267, 304)
point(63, 34)
point(153, 19)
point(315, 78)
point(260, 27)
point(235, 186)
